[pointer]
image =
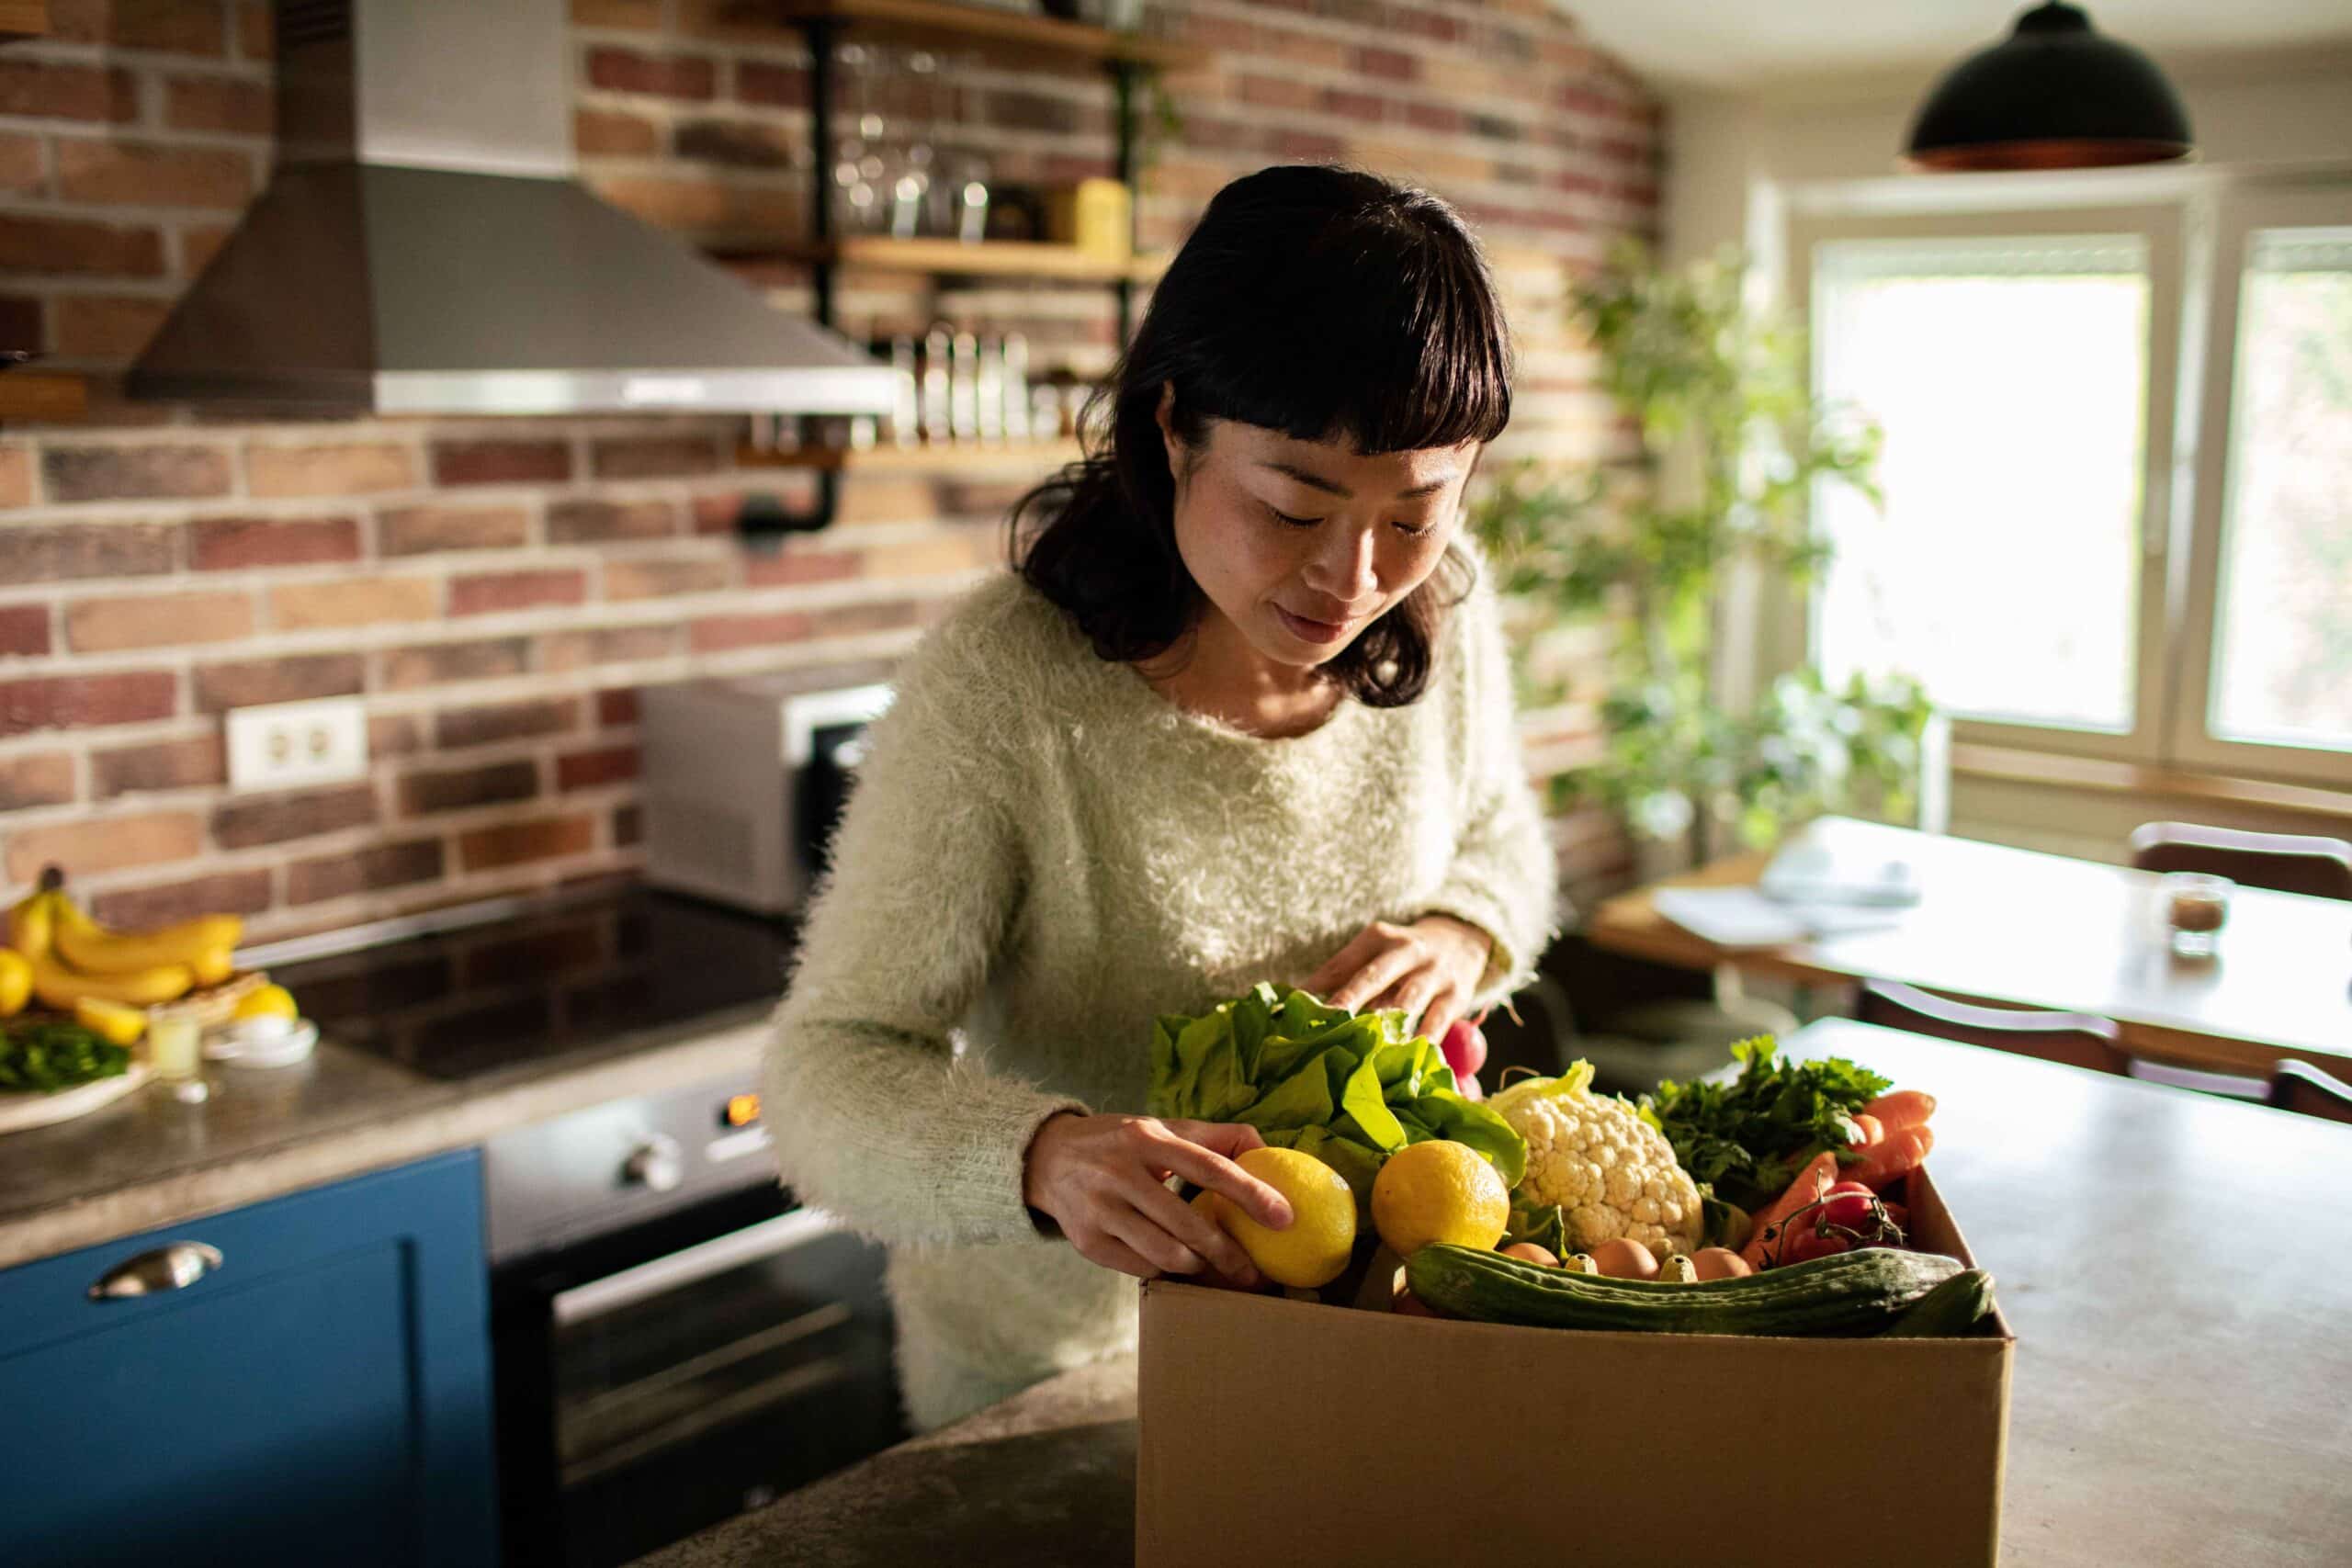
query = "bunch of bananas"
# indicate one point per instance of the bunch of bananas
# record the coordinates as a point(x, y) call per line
point(57, 954)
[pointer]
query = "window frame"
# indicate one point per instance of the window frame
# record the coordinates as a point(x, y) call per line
point(1788, 634)
point(2235, 213)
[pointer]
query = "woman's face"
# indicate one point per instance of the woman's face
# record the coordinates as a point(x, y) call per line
point(1301, 545)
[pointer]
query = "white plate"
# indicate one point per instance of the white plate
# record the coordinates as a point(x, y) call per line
point(249, 1047)
point(20, 1112)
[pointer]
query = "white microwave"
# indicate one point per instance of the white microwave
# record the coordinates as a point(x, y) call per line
point(744, 780)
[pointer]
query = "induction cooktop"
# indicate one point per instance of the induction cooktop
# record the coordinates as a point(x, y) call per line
point(544, 982)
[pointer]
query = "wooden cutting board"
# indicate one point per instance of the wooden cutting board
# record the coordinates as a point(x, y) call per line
point(20, 1111)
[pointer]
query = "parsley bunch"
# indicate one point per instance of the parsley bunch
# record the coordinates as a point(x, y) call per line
point(1745, 1140)
point(45, 1057)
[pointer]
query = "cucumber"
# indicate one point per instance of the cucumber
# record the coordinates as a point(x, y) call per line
point(1846, 1292)
point(1949, 1311)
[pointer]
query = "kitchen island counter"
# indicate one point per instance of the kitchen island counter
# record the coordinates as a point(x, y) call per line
point(1045, 1476)
point(2179, 1379)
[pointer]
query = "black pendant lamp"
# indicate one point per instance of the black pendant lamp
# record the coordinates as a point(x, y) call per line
point(2053, 94)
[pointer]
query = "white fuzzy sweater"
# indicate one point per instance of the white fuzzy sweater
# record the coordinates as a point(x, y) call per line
point(1043, 854)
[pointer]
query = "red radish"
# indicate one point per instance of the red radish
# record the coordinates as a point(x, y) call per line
point(1805, 1240)
point(1764, 1239)
point(1848, 1204)
point(1465, 1049)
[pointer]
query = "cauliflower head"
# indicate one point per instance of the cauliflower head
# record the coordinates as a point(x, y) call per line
point(1612, 1173)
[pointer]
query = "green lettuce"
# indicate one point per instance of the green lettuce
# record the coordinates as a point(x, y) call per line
point(1350, 1089)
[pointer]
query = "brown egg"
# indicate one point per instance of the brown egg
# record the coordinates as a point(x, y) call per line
point(1625, 1260)
point(1719, 1263)
point(1530, 1252)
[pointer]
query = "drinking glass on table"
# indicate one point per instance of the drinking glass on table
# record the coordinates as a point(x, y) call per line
point(174, 1052)
point(2196, 908)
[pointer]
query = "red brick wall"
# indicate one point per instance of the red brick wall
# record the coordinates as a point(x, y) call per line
point(496, 591)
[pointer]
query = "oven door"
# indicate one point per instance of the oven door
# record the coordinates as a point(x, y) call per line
point(654, 1384)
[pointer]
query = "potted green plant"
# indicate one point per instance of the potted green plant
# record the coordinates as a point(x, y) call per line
point(1733, 447)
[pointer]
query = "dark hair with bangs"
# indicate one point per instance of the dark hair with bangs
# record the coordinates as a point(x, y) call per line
point(1327, 303)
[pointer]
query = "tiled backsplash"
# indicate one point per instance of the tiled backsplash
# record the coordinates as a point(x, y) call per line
point(497, 591)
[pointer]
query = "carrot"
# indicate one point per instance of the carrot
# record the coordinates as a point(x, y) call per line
point(1811, 1183)
point(1902, 1107)
point(1898, 1156)
point(1874, 1131)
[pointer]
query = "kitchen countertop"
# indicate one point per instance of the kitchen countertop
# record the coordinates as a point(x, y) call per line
point(148, 1160)
point(2166, 1259)
point(1047, 1476)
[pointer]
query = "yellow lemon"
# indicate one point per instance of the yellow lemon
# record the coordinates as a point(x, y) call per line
point(1315, 1248)
point(16, 982)
point(110, 1022)
point(1439, 1190)
point(270, 1001)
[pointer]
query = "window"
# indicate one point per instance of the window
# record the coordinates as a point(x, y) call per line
point(2282, 643)
point(2040, 562)
point(2009, 376)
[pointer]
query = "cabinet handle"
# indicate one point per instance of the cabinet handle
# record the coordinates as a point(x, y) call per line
point(172, 1268)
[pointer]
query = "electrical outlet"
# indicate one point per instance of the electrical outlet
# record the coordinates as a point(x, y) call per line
point(285, 745)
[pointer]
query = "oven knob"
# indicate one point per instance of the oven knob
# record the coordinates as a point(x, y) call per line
point(654, 1164)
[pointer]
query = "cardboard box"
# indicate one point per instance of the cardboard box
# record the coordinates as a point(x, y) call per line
point(1282, 1432)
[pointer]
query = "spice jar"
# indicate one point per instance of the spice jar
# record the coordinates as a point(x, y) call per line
point(2196, 907)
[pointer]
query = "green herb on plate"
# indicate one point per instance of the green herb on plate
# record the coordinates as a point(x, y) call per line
point(42, 1058)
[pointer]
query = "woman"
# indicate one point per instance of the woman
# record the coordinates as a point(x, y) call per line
point(1240, 716)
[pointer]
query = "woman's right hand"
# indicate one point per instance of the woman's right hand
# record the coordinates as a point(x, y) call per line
point(1103, 1179)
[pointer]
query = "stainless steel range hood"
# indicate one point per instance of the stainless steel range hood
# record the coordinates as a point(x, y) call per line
point(424, 248)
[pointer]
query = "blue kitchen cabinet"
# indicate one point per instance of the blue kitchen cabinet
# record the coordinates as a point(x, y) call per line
point(322, 1396)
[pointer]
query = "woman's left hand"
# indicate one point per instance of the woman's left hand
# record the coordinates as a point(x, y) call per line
point(1429, 967)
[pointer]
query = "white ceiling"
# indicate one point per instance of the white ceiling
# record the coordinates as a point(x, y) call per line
point(1751, 43)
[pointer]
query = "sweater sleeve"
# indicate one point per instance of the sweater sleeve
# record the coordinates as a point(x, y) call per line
point(876, 1118)
point(1505, 878)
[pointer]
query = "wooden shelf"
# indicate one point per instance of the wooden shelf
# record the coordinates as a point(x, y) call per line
point(1015, 459)
point(1005, 35)
point(42, 396)
point(24, 19)
point(953, 258)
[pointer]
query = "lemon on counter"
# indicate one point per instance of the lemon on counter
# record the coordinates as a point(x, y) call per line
point(110, 1022)
point(267, 1001)
point(1315, 1249)
point(1439, 1190)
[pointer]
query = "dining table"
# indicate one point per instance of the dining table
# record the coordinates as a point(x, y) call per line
point(2166, 1261)
point(2020, 927)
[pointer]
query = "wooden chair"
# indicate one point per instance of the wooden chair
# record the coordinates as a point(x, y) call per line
point(2284, 862)
point(2228, 1085)
point(2077, 1039)
point(2293, 1086)
point(2299, 1085)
